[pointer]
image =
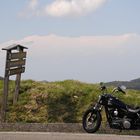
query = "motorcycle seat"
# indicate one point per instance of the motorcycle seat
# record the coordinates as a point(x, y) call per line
point(133, 110)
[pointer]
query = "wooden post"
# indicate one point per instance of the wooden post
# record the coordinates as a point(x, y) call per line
point(17, 87)
point(17, 83)
point(5, 91)
point(5, 98)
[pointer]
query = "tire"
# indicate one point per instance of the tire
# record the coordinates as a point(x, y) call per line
point(92, 118)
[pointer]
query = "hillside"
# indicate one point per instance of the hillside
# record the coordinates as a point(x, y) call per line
point(51, 102)
point(133, 84)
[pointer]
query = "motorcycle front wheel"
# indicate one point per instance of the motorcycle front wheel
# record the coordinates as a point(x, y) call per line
point(91, 121)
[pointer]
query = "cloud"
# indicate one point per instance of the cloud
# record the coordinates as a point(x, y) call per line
point(63, 8)
point(55, 45)
point(108, 41)
point(31, 9)
point(33, 4)
point(83, 45)
point(86, 58)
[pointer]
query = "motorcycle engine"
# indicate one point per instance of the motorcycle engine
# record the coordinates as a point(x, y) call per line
point(126, 123)
point(119, 120)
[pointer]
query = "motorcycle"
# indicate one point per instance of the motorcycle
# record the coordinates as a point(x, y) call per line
point(119, 115)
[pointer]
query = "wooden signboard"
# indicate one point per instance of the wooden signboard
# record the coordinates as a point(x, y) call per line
point(15, 65)
point(16, 71)
point(18, 55)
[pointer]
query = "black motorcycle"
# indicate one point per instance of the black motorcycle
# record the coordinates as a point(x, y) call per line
point(119, 115)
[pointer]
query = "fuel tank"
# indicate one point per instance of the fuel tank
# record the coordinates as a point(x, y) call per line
point(116, 103)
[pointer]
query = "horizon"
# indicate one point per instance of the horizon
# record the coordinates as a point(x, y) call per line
point(13, 79)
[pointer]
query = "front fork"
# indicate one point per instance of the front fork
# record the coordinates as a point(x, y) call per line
point(98, 107)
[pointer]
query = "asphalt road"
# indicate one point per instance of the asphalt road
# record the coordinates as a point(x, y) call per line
point(61, 136)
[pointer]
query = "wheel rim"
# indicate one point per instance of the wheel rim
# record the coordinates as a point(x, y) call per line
point(91, 121)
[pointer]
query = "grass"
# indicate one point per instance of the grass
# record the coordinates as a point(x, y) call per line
point(51, 102)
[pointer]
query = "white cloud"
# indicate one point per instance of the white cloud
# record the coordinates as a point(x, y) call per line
point(31, 9)
point(93, 42)
point(86, 58)
point(60, 8)
point(63, 8)
point(33, 4)
point(58, 46)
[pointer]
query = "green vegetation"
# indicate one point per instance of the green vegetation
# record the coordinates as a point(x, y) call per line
point(62, 101)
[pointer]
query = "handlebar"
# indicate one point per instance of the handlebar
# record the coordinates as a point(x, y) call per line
point(103, 88)
point(117, 89)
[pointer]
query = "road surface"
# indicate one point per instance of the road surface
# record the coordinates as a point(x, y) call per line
point(61, 136)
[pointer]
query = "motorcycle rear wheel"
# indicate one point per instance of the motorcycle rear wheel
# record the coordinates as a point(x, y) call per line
point(91, 121)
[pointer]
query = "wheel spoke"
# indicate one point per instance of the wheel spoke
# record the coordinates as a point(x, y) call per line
point(91, 121)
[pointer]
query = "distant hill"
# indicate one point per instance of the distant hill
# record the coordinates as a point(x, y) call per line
point(133, 84)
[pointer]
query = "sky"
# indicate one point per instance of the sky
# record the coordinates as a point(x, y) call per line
point(86, 40)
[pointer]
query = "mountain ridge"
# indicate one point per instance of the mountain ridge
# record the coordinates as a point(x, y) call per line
point(132, 84)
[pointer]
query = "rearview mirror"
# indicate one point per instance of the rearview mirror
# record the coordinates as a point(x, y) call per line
point(123, 87)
